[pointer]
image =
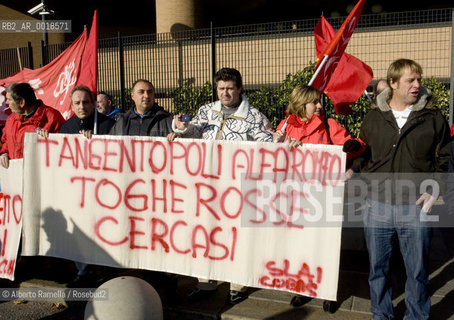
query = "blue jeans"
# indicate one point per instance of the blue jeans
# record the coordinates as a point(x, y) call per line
point(381, 223)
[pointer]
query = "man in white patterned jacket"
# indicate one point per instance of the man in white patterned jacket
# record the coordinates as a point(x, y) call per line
point(229, 118)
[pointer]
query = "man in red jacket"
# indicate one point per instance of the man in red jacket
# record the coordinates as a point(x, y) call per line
point(29, 115)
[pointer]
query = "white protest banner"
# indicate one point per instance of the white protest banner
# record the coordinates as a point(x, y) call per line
point(10, 216)
point(250, 213)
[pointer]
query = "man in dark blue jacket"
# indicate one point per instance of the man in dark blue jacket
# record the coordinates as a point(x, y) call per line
point(146, 118)
point(85, 120)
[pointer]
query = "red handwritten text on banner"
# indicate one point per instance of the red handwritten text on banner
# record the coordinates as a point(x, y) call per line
point(194, 207)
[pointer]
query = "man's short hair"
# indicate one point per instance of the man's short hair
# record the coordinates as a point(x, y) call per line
point(397, 68)
point(22, 90)
point(85, 89)
point(141, 80)
point(228, 74)
point(106, 94)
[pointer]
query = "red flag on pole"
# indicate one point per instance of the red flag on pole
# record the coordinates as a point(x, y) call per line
point(53, 82)
point(324, 34)
point(335, 49)
point(89, 65)
point(351, 77)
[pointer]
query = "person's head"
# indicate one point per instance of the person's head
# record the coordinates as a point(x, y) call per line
point(20, 98)
point(82, 102)
point(404, 78)
point(143, 95)
point(305, 102)
point(229, 86)
point(104, 102)
point(379, 87)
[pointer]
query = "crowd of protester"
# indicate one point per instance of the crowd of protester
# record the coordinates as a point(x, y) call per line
point(404, 132)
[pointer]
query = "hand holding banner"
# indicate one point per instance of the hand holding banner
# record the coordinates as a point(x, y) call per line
point(201, 208)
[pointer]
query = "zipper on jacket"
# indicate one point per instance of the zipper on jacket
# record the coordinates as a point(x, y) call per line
point(223, 122)
point(221, 128)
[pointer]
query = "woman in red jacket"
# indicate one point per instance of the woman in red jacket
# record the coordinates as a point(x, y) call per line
point(306, 123)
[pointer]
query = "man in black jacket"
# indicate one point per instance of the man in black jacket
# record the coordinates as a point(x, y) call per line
point(147, 118)
point(85, 120)
point(406, 136)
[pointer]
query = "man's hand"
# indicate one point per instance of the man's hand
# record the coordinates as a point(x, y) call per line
point(181, 125)
point(428, 200)
point(172, 136)
point(87, 133)
point(4, 160)
point(348, 174)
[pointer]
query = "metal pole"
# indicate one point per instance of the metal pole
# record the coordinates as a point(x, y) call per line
point(180, 63)
point(213, 60)
point(45, 40)
point(43, 19)
point(43, 54)
point(451, 83)
point(122, 72)
point(30, 55)
point(325, 58)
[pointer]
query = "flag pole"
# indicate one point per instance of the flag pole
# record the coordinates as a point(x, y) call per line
point(320, 67)
point(368, 96)
point(282, 129)
point(95, 125)
point(19, 59)
point(285, 124)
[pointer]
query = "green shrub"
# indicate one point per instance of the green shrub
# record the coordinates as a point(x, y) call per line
point(188, 99)
point(269, 102)
point(273, 102)
point(440, 94)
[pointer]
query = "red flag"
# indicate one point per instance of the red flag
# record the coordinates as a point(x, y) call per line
point(351, 77)
point(335, 49)
point(54, 82)
point(324, 34)
point(89, 65)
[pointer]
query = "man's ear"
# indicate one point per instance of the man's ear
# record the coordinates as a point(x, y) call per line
point(21, 103)
point(393, 84)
